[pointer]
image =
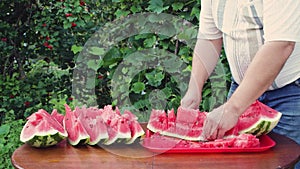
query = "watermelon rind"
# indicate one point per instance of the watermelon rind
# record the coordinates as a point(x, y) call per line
point(136, 132)
point(80, 141)
point(262, 126)
point(120, 137)
point(43, 139)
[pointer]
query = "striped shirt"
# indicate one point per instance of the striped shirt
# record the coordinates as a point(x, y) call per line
point(245, 25)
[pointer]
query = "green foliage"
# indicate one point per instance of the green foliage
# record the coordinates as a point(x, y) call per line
point(9, 138)
point(44, 83)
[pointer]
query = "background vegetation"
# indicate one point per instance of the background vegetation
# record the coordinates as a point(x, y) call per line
point(42, 40)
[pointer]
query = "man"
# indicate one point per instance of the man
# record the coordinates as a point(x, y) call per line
point(261, 39)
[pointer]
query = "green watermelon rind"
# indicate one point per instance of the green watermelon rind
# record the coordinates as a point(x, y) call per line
point(45, 140)
point(262, 126)
point(80, 140)
point(34, 140)
point(119, 138)
point(99, 139)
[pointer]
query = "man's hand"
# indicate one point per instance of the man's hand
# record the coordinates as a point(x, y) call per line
point(218, 122)
point(191, 99)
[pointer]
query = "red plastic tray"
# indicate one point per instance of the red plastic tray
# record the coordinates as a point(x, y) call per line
point(265, 143)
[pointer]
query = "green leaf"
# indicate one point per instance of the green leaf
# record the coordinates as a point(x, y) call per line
point(150, 41)
point(138, 87)
point(120, 13)
point(93, 64)
point(155, 78)
point(97, 51)
point(157, 6)
point(4, 129)
point(177, 6)
point(76, 49)
point(135, 9)
point(195, 11)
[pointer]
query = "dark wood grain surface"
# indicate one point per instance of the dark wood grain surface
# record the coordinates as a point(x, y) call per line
point(63, 156)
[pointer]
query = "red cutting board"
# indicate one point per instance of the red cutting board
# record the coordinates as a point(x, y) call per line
point(265, 143)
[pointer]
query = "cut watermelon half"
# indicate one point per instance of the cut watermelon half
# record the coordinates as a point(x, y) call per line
point(42, 130)
point(257, 120)
point(77, 135)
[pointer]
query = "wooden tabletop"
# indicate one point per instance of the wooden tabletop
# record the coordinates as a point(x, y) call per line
point(63, 156)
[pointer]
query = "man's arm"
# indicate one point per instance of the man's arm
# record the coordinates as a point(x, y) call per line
point(260, 74)
point(205, 57)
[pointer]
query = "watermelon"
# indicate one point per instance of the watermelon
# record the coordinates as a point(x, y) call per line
point(135, 127)
point(77, 134)
point(82, 126)
point(57, 116)
point(93, 124)
point(42, 130)
point(257, 120)
point(187, 125)
point(118, 127)
point(156, 140)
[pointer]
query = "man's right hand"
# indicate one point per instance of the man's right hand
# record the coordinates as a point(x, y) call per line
point(191, 99)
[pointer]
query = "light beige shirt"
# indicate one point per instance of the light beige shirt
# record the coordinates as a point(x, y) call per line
point(245, 25)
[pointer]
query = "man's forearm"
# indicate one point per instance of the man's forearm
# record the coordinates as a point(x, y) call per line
point(205, 57)
point(260, 74)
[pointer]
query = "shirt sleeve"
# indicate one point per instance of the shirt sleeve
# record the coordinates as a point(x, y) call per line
point(281, 20)
point(207, 26)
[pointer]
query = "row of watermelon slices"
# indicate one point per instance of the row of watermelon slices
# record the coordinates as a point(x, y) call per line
point(107, 126)
point(81, 126)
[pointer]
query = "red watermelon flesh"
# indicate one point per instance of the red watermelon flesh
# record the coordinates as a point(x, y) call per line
point(76, 132)
point(118, 130)
point(118, 126)
point(171, 121)
point(108, 113)
point(158, 121)
point(59, 117)
point(186, 125)
point(93, 123)
point(43, 115)
point(157, 140)
point(135, 128)
point(258, 119)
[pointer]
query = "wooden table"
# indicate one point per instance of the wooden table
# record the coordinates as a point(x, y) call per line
point(63, 156)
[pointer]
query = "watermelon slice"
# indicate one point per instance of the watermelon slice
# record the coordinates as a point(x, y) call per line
point(93, 123)
point(118, 126)
point(77, 135)
point(57, 116)
point(135, 128)
point(257, 120)
point(158, 121)
point(42, 130)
